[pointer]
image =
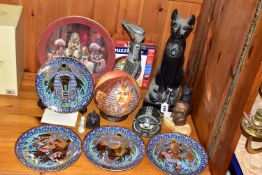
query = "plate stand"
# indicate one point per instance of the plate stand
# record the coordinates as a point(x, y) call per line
point(41, 105)
point(112, 118)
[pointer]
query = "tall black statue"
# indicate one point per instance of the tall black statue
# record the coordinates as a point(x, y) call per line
point(165, 86)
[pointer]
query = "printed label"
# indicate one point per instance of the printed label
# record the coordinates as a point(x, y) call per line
point(10, 92)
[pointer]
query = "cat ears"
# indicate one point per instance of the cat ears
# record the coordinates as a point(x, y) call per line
point(175, 14)
point(191, 19)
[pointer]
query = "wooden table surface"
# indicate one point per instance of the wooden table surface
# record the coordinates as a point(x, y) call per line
point(20, 113)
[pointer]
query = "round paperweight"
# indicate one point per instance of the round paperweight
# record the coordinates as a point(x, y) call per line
point(116, 94)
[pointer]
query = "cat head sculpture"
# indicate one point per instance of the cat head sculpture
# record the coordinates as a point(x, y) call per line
point(180, 27)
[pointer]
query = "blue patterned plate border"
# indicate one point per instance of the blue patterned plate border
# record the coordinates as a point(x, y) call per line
point(134, 142)
point(73, 150)
point(178, 163)
point(50, 88)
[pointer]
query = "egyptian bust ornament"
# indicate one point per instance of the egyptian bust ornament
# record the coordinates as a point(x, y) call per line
point(165, 85)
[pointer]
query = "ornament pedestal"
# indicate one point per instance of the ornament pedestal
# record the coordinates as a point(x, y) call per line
point(185, 129)
point(112, 118)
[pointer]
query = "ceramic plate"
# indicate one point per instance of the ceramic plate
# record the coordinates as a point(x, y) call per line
point(114, 148)
point(48, 148)
point(81, 38)
point(64, 85)
point(177, 154)
point(116, 94)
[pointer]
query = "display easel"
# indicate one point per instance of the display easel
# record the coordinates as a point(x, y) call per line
point(42, 106)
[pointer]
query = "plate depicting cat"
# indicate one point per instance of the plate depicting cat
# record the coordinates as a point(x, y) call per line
point(48, 148)
point(113, 148)
point(79, 37)
point(64, 85)
point(176, 154)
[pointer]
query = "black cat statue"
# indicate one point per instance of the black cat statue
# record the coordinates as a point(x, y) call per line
point(165, 86)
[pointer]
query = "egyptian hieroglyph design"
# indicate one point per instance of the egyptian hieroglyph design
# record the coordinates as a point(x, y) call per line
point(64, 85)
point(48, 148)
point(114, 148)
point(177, 154)
point(117, 96)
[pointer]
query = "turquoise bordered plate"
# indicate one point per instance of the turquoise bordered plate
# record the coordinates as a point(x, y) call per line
point(177, 154)
point(48, 148)
point(113, 148)
point(64, 85)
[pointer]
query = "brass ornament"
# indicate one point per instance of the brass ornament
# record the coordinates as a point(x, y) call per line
point(252, 126)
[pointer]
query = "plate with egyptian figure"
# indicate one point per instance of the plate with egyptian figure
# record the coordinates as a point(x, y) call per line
point(116, 94)
point(81, 38)
point(176, 154)
point(48, 148)
point(113, 148)
point(64, 85)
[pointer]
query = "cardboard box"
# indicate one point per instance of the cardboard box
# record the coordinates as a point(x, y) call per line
point(147, 59)
point(11, 49)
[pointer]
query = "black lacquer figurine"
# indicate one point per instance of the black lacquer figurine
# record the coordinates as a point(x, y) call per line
point(93, 120)
point(170, 74)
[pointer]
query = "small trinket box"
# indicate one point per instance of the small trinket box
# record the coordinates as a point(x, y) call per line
point(148, 121)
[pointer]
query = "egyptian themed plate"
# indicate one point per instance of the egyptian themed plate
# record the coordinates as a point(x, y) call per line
point(64, 85)
point(177, 154)
point(48, 148)
point(81, 38)
point(114, 148)
point(116, 94)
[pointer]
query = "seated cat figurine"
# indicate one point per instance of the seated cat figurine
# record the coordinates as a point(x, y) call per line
point(170, 74)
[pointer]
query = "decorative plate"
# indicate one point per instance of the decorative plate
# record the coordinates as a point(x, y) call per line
point(114, 148)
point(116, 94)
point(81, 38)
point(64, 85)
point(177, 154)
point(48, 148)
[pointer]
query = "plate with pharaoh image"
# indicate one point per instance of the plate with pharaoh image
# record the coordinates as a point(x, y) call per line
point(113, 148)
point(48, 148)
point(177, 154)
point(116, 94)
point(64, 85)
point(79, 37)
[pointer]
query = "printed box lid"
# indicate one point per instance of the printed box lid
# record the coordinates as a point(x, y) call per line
point(9, 15)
